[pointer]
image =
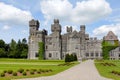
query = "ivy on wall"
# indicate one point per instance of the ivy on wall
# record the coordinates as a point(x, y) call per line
point(41, 50)
point(107, 47)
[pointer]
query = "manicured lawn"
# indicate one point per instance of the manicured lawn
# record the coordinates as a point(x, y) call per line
point(105, 68)
point(15, 64)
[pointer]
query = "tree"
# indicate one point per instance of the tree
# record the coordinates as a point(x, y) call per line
point(13, 45)
point(24, 41)
point(2, 52)
point(2, 44)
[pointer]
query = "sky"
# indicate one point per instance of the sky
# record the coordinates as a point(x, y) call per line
point(99, 16)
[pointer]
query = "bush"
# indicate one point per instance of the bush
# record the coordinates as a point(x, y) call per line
point(31, 72)
point(14, 73)
point(70, 57)
point(50, 70)
point(34, 70)
point(24, 73)
point(10, 71)
point(20, 70)
point(2, 74)
point(38, 72)
point(4, 71)
point(67, 58)
point(27, 69)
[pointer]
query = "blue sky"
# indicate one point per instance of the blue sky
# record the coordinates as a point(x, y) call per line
point(99, 16)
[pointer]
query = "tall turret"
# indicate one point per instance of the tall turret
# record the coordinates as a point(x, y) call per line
point(69, 29)
point(56, 27)
point(34, 26)
point(82, 28)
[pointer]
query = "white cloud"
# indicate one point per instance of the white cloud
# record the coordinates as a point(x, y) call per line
point(6, 27)
point(84, 12)
point(12, 15)
point(103, 30)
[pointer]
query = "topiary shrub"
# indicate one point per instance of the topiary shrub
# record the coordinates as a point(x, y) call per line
point(31, 72)
point(2, 74)
point(4, 71)
point(21, 70)
point(34, 70)
point(38, 72)
point(24, 73)
point(27, 70)
point(50, 70)
point(10, 71)
point(14, 73)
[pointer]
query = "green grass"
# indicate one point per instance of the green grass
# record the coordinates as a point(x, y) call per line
point(106, 70)
point(15, 64)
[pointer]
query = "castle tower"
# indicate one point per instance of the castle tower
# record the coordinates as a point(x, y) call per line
point(82, 28)
point(35, 36)
point(34, 26)
point(53, 48)
point(56, 27)
point(69, 29)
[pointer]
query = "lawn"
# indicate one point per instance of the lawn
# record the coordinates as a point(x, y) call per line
point(105, 68)
point(15, 64)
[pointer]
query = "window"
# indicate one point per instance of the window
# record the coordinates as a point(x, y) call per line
point(96, 55)
point(119, 55)
point(91, 54)
point(56, 54)
point(50, 55)
point(46, 47)
point(36, 54)
point(87, 54)
point(111, 37)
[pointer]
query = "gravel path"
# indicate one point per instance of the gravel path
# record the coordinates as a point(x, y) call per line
point(84, 71)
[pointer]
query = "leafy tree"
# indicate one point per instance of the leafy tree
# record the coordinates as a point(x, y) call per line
point(2, 44)
point(2, 52)
point(24, 41)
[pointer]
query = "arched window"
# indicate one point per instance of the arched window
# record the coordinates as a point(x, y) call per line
point(50, 55)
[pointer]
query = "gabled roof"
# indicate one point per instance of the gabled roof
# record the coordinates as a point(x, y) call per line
point(110, 36)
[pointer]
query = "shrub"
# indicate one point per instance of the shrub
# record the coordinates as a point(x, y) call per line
point(27, 69)
point(14, 73)
point(10, 71)
point(38, 72)
point(70, 57)
point(31, 72)
point(24, 73)
point(50, 70)
point(2, 74)
point(42, 70)
point(34, 70)
point(4, 71)
point(20, 70)
point(67, 58)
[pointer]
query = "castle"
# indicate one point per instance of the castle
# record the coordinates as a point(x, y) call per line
point(57, 45)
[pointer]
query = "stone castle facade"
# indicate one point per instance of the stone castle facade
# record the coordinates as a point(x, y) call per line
point(57, 45)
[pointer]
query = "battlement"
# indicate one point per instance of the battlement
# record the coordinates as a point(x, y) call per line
point(34, 23)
